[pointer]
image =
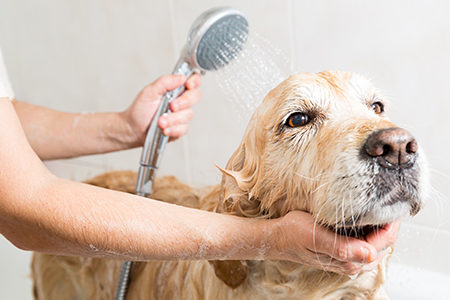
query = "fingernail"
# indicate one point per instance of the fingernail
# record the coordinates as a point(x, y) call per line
point(366, 254)
point(175, 106)
point(388, 227)
point(167, 131)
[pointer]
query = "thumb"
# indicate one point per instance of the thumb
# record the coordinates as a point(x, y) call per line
point(166, 83)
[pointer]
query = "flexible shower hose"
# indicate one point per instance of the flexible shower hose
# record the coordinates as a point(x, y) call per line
point(124, 278)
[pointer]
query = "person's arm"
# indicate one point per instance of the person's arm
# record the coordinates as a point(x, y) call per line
point(53, 134)
point(41, 212)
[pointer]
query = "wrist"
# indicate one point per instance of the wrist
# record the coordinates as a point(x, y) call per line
point(272, 239)
point(123, 133)
point(259, 240)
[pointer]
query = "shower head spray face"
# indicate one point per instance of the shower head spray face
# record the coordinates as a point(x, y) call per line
point(216, 37)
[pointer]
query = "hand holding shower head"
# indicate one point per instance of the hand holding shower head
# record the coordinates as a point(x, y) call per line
point(215, 38)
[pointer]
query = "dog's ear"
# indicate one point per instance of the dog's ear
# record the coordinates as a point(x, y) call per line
point(242, 175)
point(232, 272)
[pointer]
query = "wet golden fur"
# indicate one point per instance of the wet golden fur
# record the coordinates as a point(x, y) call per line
point(276, 169)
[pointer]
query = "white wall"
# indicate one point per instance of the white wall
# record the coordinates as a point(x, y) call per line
point(80, 55)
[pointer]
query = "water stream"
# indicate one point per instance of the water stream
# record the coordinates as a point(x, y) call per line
point(251, 74)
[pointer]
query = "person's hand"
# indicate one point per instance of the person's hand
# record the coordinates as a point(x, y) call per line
point(298, 238)
point(382, 240)
point(141, 112)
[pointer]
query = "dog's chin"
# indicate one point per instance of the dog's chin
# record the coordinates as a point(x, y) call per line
point(386, 214)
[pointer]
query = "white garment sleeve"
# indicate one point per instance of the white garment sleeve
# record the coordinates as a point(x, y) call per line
point(5, 85)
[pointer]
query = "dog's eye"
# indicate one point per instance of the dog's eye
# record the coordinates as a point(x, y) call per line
point(298, 119)
point(378, 107)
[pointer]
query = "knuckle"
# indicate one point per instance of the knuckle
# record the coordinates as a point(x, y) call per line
point(165, 78)
point(181, 130)
point(189, 114)
point(343, 253)
point(148, 88)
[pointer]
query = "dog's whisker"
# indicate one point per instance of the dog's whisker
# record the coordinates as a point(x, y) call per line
point(440, 173)
point(440, 199)
point(321, 186)
point(309, 178)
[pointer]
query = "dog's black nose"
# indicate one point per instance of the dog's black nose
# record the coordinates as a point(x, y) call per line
point(392, 148)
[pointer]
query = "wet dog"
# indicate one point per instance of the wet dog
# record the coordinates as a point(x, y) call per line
point(320, 143)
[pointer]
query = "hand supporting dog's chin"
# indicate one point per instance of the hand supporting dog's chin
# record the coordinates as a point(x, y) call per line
point(321, 248)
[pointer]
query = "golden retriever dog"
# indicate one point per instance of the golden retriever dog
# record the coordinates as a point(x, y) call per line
point(319, 143)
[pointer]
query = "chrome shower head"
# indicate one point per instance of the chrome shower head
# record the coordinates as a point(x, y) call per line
point(215, 38)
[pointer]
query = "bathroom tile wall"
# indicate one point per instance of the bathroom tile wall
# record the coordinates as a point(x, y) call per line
point(80, 55)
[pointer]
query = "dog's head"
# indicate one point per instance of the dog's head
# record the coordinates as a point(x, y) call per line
point(322, 143)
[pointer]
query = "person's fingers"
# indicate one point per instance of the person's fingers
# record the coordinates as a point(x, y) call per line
point(164, 84)
point(371, 266)
point(327, 263)
point(348, 268)
point(194, 82)
point(342, 248)
point(384, 237)
point(176, 132)
point(318, 239)
point(188, 99)
point(167, 121)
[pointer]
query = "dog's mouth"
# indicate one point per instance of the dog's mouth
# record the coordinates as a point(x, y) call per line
point(358, 232)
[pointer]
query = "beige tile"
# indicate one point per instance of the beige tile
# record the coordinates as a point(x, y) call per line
point(15, 282)
point(76, 169)
point(422, 247)
point(130, 44)
point(418, 268)
point(46, 53)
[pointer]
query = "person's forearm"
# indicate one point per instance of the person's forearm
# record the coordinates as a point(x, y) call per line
point(53, 134)
point(61, 217)
point(41, 212)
